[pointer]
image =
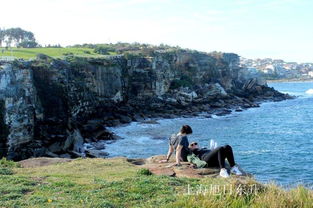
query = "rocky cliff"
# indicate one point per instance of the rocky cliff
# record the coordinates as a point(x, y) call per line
point(50, 107)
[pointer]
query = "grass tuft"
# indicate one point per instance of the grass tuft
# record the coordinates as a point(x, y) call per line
point(144, 171)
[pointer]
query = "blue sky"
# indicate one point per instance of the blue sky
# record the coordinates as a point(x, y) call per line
point(252, 28)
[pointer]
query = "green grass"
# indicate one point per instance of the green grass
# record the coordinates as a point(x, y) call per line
point(117, 183)
point(28, 53)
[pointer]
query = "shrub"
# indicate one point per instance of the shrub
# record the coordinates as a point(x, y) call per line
point(6, 171)
point(4, 163)
point(68, 54)
point(144, 171)
point(44, 57)
point(28, 44)
point(184, 81)
point(104, 50)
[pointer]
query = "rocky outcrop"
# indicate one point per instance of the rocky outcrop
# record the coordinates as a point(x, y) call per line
point(50, 107)
point(185, 170)
point(42, 161)
point(20, 109)
point(152, 164)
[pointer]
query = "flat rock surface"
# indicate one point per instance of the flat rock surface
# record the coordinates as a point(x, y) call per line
point(42, 161)
point(151, 163)
point(186, 170)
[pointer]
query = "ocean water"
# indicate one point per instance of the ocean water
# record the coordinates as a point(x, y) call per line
point(273, 142)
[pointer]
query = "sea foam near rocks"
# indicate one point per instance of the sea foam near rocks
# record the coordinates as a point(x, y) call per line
point(309, 91)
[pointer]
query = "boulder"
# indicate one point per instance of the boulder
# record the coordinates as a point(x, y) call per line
point(259, 89)
point(50, 154)
point(254, 84)
point(223, 112)
point(114, 122)
point(171, 100)
point(218, 104)
point(74, 142)
point(150, 121)
point(78, 141)
point(38, 152)
point(238, 110)
point(99, 145)
point(55, 147)
point(214, 90)
point(68, 143)
point(124, 119)
point(187, 96)
point(96, 153)
point(65, 156)
point(137, 117)
point(118, 97)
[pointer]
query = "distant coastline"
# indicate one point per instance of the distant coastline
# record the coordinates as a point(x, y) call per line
point(289, 80)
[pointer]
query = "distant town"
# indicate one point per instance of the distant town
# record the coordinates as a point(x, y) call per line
point(278, 69)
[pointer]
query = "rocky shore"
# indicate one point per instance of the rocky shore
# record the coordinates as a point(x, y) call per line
point(51, 107)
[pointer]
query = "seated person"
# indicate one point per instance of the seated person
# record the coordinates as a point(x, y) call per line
point(216, 158)
point(180, 144)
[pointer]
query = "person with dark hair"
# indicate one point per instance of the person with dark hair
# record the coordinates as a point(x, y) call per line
point(216, 158)
point(179, 143)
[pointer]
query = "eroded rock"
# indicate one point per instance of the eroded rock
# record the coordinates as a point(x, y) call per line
point(167, 169)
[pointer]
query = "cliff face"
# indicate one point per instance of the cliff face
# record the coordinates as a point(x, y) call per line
point(50, 107)
point(19, 107)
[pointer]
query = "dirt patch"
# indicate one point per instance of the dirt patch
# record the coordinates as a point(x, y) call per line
point(42, 161)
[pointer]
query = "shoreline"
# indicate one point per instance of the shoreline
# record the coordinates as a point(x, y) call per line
point(218, 112)
point(281, 184)
point(289, 80)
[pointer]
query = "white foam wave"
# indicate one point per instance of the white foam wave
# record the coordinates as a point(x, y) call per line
point(255, 152)
point(291, 93)
point(309, 91)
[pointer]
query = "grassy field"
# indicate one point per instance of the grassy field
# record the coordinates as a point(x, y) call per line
point(118, 183)
point(28, 53)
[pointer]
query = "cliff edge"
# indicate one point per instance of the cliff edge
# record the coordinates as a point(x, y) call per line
point(51, 107)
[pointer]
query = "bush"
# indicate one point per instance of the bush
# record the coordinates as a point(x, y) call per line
point(78, 62)
point(68, 54)
point(44, 57)
point(6, 171)
point(144, 171)
point(133, 55)
point(28, 44)
point(184, 81)
point(4, 163)
point(104, 50)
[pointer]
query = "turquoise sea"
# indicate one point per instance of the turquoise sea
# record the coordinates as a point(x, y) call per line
point(273, 142)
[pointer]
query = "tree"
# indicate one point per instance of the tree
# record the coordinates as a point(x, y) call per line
point(103, 49)
point(2, 36)
point(28, 44)
point(18, 36)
